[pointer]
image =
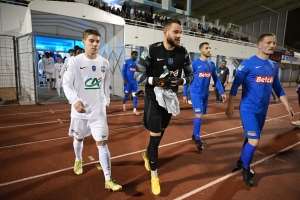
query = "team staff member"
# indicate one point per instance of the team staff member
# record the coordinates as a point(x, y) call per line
point(258, 75)
point(173, 57)
point(223, 74)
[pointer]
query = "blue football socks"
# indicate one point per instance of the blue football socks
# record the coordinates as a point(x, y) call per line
point(247, 155)
point(124, 99)
point(134, 101)
point(197, 127)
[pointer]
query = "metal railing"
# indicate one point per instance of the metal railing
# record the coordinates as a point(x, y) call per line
point(190, 33)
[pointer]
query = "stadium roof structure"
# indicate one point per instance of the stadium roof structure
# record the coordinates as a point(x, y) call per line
point(240, 12)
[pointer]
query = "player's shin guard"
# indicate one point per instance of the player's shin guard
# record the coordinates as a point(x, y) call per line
point(48, 83)
point(134, 101)
point(124, 99)
point(162, 132)
point(152, 151)
point(58, 91)
point(247, 155)
point(78, 146)
point(197, 127)
point(104, 158)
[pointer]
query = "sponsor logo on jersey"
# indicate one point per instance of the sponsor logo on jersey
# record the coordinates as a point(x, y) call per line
point(204, 74)
point(67, 68)
point(159, 59)
point(264, 79)
point(240, 67)
point(59, 70)
point(132, 69)
point(170, 61)
point(94, 68)
point(175, 73)
point(251, 133)
point(93, 83)
point(102, 69)
point(144, 55)
point(83, 67)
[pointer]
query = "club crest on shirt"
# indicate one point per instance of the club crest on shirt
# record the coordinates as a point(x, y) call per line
point(266, 67)
point(102, 69)
point(170, 61)
point(93, 83)
point(240, 67)
point(94, 68)
point(251, 133)
point(273, 68)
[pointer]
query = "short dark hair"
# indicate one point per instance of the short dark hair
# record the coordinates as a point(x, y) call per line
point(224, 61)
point(202, 44)
point(262, 36)
point(70, 50)
point(79, 49)
point(169, 22)
point(88, 32)
point(134, 52)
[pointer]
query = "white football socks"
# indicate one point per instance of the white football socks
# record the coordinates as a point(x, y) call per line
point(104, 158)
point(78, 146)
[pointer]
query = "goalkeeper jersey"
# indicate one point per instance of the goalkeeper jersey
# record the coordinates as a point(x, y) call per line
point(153, 60)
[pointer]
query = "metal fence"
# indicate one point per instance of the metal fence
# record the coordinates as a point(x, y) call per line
point(26, 69)
point(8, 81)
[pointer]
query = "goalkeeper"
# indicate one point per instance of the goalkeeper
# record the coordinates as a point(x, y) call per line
point(151, 70)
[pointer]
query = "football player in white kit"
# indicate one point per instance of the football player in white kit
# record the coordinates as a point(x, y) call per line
point(86, 84)
point(71, 53)
point(57, 69)
point(48, 69)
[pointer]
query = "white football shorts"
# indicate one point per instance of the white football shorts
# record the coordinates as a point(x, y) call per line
point(81, 128)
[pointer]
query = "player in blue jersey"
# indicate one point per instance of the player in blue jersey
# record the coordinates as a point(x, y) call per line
point(258, 75)
point(297, 123)
point(203, 70)
point(130, 84)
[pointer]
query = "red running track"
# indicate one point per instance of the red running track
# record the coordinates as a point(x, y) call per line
point(37, 156)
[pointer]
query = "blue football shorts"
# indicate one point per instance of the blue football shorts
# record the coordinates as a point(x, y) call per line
point(199, 103)
point(131, 87)
point(253, 124)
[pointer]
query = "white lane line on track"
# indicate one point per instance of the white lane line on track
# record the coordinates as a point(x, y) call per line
point(135, 152)
point(117, 129)
point(131, 127)
point(109, 115)
point(109, 107)
point(231, 174)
